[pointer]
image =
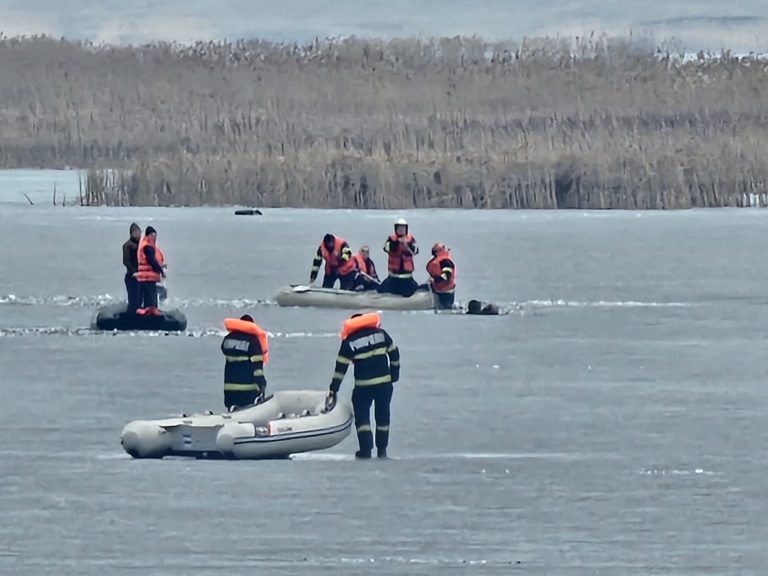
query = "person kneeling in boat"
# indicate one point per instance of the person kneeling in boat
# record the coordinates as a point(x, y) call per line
point(151, 269)
point(131, 263)
point(400, 247)
point(367, 277)
point(339, 263)
point(377, 366)
point(245, 352)
point(442, 275)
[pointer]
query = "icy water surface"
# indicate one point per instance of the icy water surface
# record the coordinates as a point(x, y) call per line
point(614, 422)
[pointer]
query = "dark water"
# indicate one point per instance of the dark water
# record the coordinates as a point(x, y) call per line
point(613, 423)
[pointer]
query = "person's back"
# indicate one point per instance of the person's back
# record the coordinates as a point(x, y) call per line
point(377, 366)
point(245, 351)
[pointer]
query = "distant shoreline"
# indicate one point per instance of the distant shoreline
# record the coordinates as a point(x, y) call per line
point(409, 123)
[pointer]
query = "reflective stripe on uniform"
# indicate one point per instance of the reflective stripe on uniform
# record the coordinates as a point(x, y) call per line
point(343, 360)
point(255, 358)
point(373, 381)
point(364, 428)
point(404, 275)
point(369, 354)
point(382, 428)
point(240, 387)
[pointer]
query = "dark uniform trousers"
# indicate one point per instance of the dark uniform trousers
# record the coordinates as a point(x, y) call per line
point(380, 395)
point(133, 289)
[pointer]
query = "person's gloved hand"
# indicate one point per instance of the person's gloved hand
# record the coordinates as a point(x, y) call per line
point(330, 400)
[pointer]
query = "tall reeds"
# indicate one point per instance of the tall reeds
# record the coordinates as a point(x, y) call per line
point(406, 123)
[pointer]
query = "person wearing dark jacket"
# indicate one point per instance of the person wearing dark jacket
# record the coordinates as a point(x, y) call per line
point(131, 263)
point(151, 268)
point(377, 367)
point(245, 353)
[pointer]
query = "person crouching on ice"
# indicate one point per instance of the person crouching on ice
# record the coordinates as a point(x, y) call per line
point(377, 366)
point(245, 352)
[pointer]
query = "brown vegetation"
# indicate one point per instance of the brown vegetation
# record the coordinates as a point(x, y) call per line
point(405, 123)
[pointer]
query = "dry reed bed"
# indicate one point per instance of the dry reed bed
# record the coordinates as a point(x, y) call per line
point(451, 122)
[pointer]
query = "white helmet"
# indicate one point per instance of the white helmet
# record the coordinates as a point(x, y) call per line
point(401, 222)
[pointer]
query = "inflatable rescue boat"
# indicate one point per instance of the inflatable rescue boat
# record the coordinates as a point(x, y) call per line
point(298, 295)
point(287, 422)
point(117, 317)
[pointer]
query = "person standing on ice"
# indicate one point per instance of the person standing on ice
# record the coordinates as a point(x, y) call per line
point(377, 367)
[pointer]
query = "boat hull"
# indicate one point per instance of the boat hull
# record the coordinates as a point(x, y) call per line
point(116, 317)
point(333, 298)
point(288, 422)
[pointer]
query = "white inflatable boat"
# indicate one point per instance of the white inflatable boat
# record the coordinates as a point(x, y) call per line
point(294, 295)
point(285, 423)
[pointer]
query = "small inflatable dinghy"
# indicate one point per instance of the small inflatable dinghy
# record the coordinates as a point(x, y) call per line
point(285, 423)
point(116, 317)
point(317, 297)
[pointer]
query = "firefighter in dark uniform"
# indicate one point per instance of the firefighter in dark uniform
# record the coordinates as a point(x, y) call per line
point(377, 367)
point(245, 351)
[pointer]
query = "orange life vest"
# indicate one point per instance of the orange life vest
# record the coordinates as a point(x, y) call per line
point(370, 320)
point(362, 265)
point(333, 262)
point(439, 284)
point(237, 325)
point(146, 273)
point(400, 260)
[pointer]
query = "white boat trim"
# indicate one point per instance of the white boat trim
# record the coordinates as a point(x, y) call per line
point(314, 296)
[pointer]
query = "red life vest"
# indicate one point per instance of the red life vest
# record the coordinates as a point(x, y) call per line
point(435, 270)
point(146, 273)
point(237, 325)
point(333, 262)
point(400, 261)
point(351, 325)
point(362, 265)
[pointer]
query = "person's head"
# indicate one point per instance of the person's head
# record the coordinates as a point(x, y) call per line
point(328, 241)
point(135, 232)
point(401, 227)
point(474, 307)
point(437, 247)
point(150, 233)
point(365, 251)
point(246, 318)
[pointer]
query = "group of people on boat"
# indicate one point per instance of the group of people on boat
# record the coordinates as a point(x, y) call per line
point(144, 268)
point(357, 272)
point(364, 343)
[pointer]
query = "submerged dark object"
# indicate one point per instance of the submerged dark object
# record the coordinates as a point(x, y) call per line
point(248, 212)
point(482, 308)
point(115, 317)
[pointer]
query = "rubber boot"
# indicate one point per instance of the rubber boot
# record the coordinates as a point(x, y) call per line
point(365, 440)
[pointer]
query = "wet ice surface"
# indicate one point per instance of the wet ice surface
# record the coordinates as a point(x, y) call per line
point(613, 423)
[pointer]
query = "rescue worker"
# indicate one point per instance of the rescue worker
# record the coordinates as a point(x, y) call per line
point(131, 263)
point(245, 352)
point(367, 277)
point(377, 367)
point(339, 263)
point(151, 268)
point(401, 248)
point(442, 275)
